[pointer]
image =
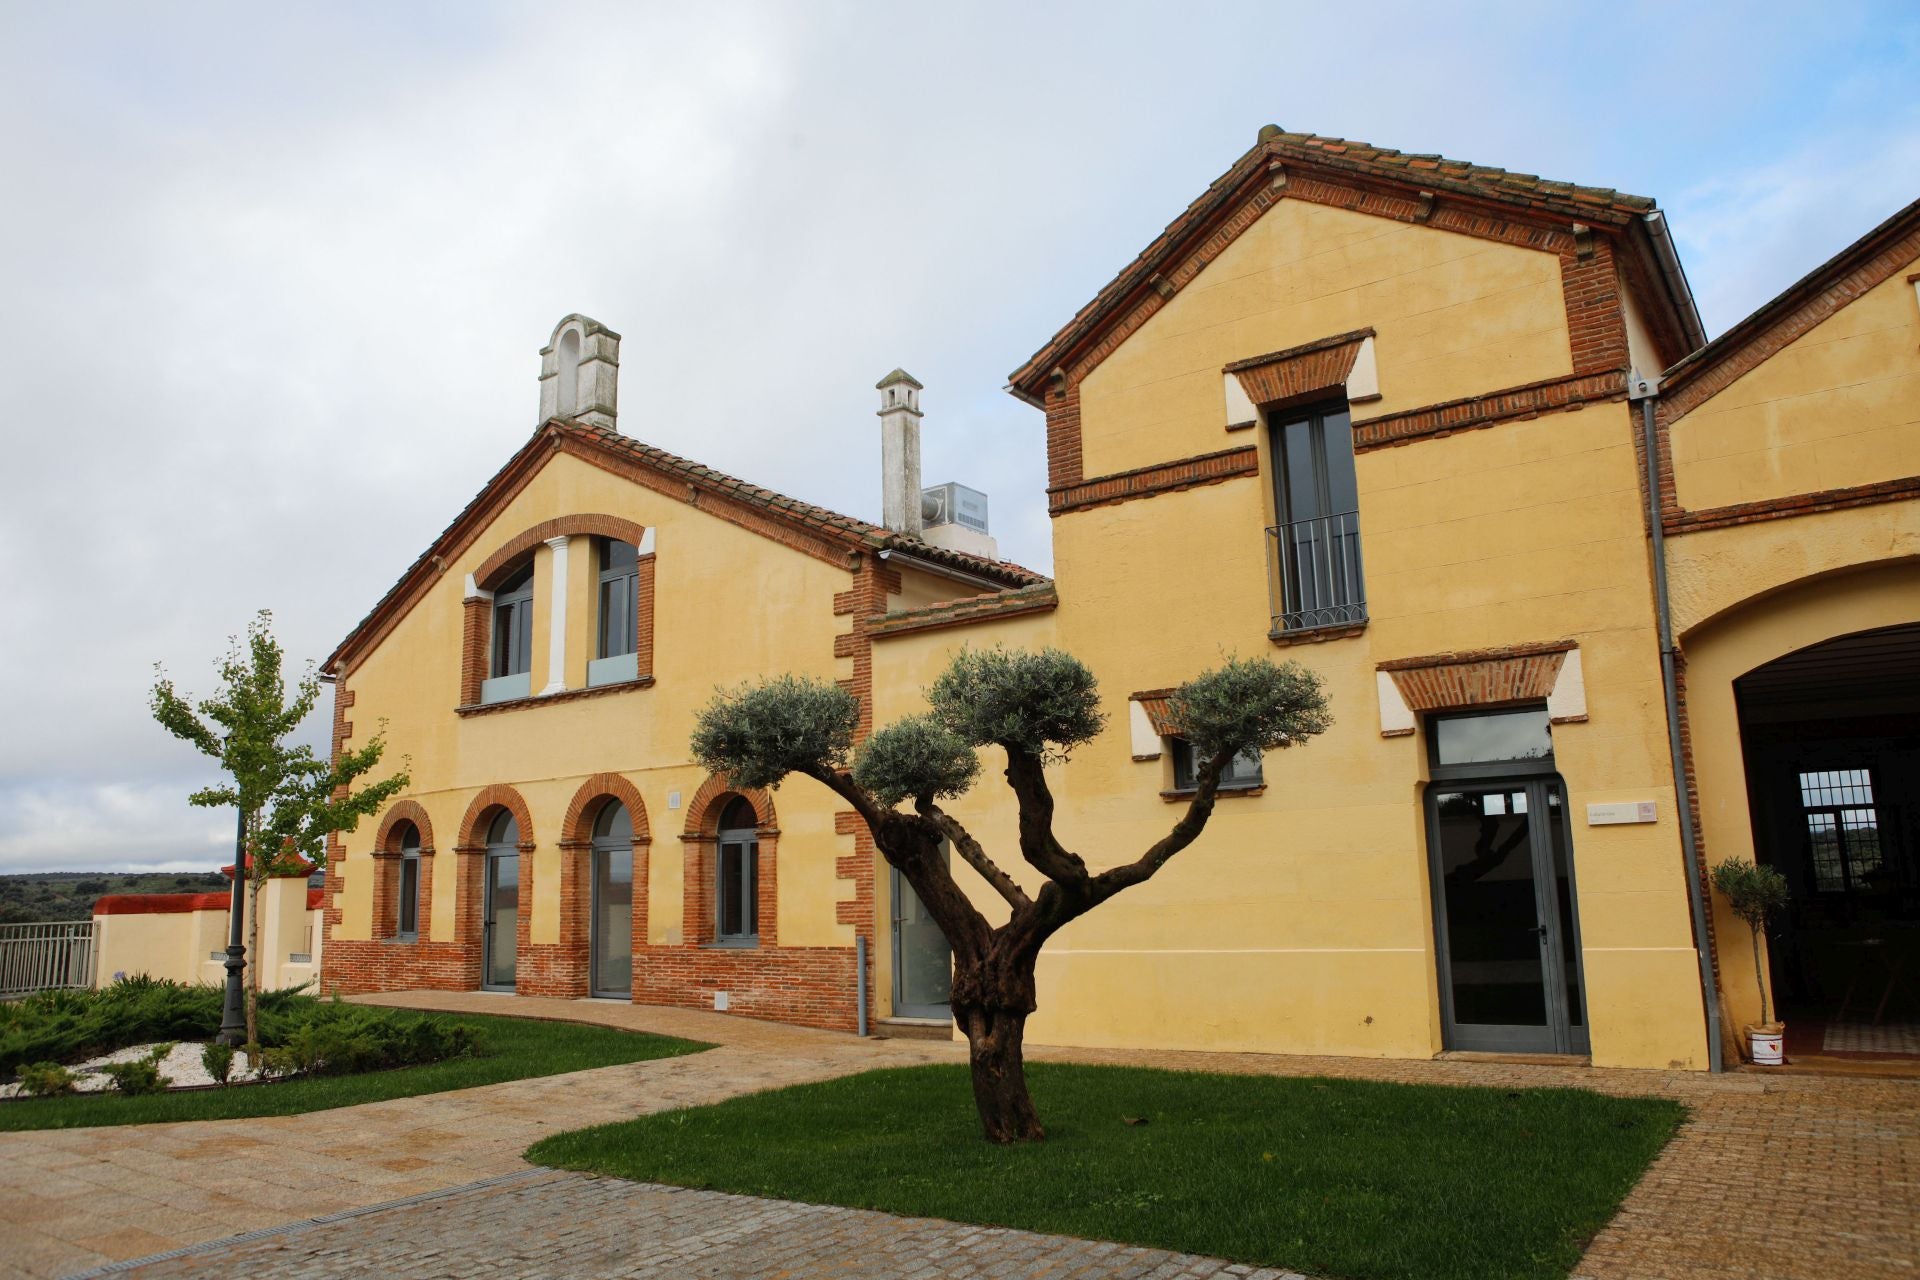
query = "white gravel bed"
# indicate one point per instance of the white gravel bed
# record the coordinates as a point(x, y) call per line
point(182, 1068)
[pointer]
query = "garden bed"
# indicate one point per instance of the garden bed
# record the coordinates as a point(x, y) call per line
point(1329, 1177)
point(318, 1054)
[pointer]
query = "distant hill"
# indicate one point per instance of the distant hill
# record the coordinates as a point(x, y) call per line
point(69, 895)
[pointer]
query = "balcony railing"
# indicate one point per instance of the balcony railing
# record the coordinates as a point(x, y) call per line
point(1314, 573)
point(34, 957)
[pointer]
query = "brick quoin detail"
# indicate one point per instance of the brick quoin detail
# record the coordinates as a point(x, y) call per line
point(1147, 482)
point(1488, 677)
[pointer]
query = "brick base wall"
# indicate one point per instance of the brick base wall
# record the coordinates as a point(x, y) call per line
point(387, 965)
point(807, 986)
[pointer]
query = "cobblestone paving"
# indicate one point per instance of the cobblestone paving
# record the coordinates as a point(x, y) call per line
point(568, 1224)
point(1776, 1177)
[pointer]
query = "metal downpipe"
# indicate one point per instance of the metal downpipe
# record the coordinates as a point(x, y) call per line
point(1646, 391)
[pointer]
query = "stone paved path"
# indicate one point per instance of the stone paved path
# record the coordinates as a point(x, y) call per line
point(555, 1225)
point(1774, 1176)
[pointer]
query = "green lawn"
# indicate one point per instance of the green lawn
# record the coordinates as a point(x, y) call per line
point(1336, 1178)
point(514, 1049)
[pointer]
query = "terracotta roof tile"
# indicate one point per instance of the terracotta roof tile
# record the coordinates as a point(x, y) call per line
point(853, 531)
point(1362, 160)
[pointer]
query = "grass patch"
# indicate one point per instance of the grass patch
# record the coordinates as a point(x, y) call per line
point(511, 1049)
point(1346, 1178)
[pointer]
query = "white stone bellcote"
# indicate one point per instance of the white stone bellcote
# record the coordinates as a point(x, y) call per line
point(580, 373)
point(900, 452)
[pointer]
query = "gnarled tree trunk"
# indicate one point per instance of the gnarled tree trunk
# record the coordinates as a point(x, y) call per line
point(999, 1072)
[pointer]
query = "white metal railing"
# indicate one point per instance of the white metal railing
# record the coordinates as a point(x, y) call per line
point(34, 957)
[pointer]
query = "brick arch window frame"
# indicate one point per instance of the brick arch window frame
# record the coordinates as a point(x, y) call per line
point(700, 844)
point(576, 849)
point(386, 880)
point(477, 628)
point(471, 854)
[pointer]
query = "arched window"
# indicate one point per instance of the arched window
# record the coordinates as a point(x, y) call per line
point(612, 940)
point(512, 661)
point(407, 923)
point(737, 893)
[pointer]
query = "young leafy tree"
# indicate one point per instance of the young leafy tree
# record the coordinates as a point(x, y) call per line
point(290, 799)
point(1035, 707)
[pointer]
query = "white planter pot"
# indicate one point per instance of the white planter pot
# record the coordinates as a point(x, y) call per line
point(1769, 1047)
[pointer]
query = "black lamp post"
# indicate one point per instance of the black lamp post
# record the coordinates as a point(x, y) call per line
point(233, 1017)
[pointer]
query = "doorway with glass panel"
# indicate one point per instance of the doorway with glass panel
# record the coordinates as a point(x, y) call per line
point(1505, 924)
point(611, 940)
point(922, 960)
point(500, 905)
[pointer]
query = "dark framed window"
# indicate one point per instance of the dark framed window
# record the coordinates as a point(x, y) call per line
point(737, 887)
point(1243, 771)
point(513, 625)
point(619, 582)
point(407, 924)
point(1843, 828)
point(1514, 741)
point(1316, 544)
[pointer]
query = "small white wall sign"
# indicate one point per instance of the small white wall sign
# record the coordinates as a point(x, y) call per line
point(1612, 815)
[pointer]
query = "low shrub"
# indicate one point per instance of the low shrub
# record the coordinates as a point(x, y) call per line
point(142, 1075)
point(45, 1079)
point(217, 1058)
point(325, 1037)
point(346, 1040)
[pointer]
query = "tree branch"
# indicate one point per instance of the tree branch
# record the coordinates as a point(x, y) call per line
point(1184, 833)
point(1037, 843)
point(841, 783)
point(975, 856)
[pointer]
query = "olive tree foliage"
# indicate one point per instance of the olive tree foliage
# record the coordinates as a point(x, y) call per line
point(290, 799)
point(1036, 708)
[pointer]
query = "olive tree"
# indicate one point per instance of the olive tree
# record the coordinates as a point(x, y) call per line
point(1036, 707)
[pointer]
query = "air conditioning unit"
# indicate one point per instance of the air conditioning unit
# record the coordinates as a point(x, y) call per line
point(952, 503)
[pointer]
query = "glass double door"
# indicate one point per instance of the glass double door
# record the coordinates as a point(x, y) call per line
point(1504, 917)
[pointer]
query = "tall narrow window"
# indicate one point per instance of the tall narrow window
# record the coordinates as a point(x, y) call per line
point(1315, 548)
point(512, 661)
point(407, 926)
point(737, 894)
point(1843, 828)
point(616, 657)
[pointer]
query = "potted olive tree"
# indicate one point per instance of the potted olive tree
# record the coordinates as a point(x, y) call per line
point(1756, 895)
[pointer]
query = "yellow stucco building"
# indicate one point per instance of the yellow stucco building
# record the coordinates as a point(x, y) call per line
point(1381, 414)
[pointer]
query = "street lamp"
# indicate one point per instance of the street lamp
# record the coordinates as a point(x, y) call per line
point(233, 1016)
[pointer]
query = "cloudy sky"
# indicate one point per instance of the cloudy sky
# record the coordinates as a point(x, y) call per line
point(273, 278)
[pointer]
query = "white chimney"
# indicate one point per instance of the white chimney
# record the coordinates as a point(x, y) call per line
point(900, 452)
point(580, 373)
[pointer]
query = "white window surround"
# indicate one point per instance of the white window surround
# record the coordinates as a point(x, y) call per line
point(1146, 743)
point(557, 616)
point(1566, 701)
